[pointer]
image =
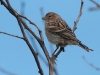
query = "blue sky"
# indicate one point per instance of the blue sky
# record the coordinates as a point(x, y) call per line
point(15, 55)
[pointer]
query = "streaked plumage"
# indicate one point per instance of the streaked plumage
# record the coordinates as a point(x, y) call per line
point(59, 33)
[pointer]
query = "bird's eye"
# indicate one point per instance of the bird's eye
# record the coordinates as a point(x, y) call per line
point(50, 16)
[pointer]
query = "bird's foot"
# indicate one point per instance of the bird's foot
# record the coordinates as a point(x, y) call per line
point(62, 48)
point(55, 50)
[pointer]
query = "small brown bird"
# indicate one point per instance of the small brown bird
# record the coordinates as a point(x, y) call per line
point(59, 33)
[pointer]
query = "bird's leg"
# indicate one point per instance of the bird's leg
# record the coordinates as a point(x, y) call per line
point(57, 46)
point(62, 48)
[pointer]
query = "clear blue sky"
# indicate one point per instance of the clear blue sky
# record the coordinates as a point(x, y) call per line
point(15, 55)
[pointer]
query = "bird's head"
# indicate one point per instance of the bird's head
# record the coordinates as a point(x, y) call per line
point(50, 17)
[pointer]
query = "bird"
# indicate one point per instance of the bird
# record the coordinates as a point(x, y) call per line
point(59, 33)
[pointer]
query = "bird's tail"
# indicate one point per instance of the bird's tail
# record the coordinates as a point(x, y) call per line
point(84, 47)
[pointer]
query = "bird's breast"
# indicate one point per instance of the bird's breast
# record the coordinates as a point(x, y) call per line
point(55, 39)
point(52, 37)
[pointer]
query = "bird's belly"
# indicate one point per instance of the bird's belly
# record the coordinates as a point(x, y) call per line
point(55, 39)
point(52, 37)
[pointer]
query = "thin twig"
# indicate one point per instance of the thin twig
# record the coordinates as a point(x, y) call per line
point(94, 8)
point(79, 15)
point(40, 32)
point(6, 72)
point(41, 11)
point(22, 8)
point(12, 35)
point(97, 6)
point(98, 69)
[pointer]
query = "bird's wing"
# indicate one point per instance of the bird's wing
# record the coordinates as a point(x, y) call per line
point(61, 28)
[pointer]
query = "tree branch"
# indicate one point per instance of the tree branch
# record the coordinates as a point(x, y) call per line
point(6, 72)
point(40, 32)
point(97, 6)
point(90, 64)
point(79, 15)
point(21, 22)
point(11, 35)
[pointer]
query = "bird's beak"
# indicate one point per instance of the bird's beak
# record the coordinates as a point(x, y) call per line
point(43, 18)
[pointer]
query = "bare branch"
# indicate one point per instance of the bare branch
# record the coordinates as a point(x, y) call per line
point(77, 20)
point(97, 6)
point(94, 8)
point(21, 23)
point(40, 32)
point(90, 64)
point(22, 8)
point(41, 42)
point(6, 72)
point(12, 35)
point(29, 45)
point(30, 21)
point(41, 11)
